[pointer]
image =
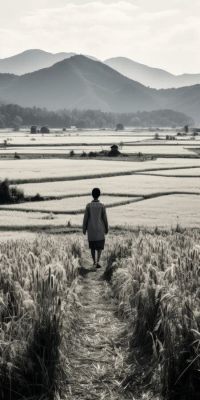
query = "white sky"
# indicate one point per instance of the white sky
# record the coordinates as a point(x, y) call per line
point(162, 33)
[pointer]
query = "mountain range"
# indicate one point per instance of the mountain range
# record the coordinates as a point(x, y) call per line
point(84, 83)
point(149, 76)
point(31, 60)
point(35, 59)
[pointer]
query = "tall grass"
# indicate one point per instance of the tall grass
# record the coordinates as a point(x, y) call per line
point(38, 312)
point(157, 287)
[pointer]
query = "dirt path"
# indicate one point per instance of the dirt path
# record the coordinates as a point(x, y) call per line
point(97, 358)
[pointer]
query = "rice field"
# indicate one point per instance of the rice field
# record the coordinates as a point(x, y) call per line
point(131, 184)
point(61, 177)
point(174, 172)
point(39, 310)
point(156, 149)
point(23, 220)
point(61, 335)
point(155, 279)
point(57, 168)
point(179, 150)
point(165, 211)
point(74, 204)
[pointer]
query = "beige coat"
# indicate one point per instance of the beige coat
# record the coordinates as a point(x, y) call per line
point(95, 221)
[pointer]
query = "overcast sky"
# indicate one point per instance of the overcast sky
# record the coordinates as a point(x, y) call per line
point(162, 33)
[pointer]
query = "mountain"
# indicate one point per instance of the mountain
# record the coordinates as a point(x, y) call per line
point(30, 60)
point(6, 79)
point(79, 82)
point(149, 76)
point(82, 83)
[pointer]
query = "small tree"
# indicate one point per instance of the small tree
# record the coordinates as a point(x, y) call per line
point(16, 156)
point(114, 151)
point(119, 127)
point(71, 153)
point(44, 129)
point(33, 129)
point(186, 128)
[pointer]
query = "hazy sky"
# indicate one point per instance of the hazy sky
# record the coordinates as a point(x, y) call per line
point(163, 33)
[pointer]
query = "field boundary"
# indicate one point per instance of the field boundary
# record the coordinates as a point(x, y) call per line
point(109, 205)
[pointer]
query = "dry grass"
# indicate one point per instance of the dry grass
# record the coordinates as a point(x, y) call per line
point(38, 310)
point(157, 287)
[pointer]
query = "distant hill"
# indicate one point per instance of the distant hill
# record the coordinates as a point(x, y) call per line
point(149, 76)
point(31, 60)
point(82, 83)
point(79, 82)
point(6, 79)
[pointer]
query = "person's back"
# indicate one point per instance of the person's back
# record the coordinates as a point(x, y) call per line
point(96, 224)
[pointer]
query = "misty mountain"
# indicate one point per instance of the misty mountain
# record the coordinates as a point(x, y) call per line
point(31, 60)
point(6, 79)
point(82, 83)
point(149, 76)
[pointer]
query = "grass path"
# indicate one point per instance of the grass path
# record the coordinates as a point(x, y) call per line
point(98, 356)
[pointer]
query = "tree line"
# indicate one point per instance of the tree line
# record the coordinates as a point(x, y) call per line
point(15, 117)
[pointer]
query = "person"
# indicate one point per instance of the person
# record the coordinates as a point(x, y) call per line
point(95, 223)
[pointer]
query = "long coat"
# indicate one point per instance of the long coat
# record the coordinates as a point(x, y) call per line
point(95, 221)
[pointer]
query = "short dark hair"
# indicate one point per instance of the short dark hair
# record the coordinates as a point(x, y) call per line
point(96, 193)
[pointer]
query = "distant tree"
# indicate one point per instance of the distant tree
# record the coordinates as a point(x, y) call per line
point(119, 127)
point(17, 156)
point(92, 154)
point(72, 153)
point(10, 194)
point(44, 129)
point(156, 136)
point(114, 151)
point(186, 128)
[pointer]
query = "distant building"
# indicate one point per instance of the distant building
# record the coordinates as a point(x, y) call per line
point(33, 129)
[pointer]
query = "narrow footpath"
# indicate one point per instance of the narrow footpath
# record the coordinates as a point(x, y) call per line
point(98, 355)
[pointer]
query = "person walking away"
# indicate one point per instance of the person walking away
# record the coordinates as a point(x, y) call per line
point(95, 223)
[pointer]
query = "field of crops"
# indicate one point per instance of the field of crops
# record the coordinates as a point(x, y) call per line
point(156, 281)
point(57, 168)
point(39, 310)
point(74, 204)
point(181, 172)
point(131, 184)
point(79, 149)
point(45, 323)
point(68, 334)
point(165, 211)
